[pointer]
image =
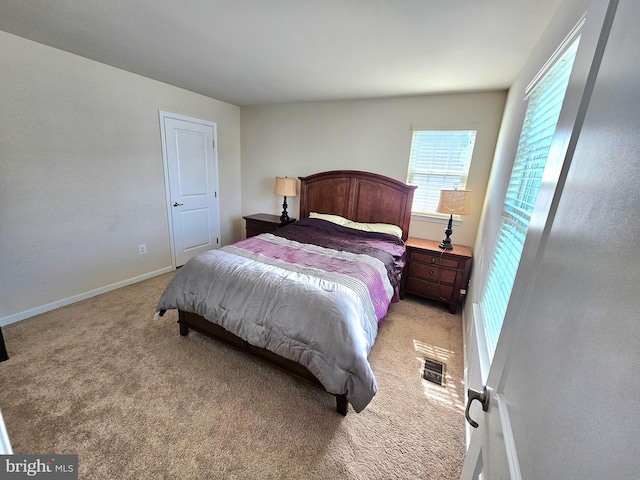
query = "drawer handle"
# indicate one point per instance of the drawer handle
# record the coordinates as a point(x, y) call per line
point(430, 272)
point(433, 260)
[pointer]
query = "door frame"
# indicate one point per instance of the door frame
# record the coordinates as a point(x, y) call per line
point(162, 114)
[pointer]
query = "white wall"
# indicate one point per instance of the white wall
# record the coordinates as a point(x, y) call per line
point(81, 176)
point(373, 135)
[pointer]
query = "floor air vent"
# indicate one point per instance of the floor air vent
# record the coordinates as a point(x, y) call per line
point(433, 371)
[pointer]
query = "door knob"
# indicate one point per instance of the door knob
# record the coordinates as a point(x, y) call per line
point(176, 204)
point(482, 397)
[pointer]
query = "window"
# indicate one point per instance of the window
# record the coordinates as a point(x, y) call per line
point(439, 160)
point(541, 116)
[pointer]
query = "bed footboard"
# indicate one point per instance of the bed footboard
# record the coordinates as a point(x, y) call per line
point(188, 320)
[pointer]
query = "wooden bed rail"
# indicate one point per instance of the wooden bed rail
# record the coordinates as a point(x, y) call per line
point(188, 320)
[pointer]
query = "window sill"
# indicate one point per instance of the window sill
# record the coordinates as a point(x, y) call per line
point(420, 217)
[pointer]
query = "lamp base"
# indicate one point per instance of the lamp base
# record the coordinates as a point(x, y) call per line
point(285, 216)
point(446, 241)
point(446, 244)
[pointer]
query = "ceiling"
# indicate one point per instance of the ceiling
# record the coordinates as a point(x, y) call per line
point(249, 52)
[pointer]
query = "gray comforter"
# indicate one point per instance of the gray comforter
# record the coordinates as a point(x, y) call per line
point(314, 305)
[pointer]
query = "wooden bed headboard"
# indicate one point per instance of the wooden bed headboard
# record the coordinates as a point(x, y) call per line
point(359, 196)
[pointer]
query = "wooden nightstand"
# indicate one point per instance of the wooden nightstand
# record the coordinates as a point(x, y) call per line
point(434, 273)
point(263, 223)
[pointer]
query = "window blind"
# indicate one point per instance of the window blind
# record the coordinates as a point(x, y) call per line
point(541, 116)
point(439, 159)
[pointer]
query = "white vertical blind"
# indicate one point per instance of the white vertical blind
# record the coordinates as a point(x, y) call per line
point(439, 160)
point(541, 117)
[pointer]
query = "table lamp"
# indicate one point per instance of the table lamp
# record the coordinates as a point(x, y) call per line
point(285, 187)
point(453, 202)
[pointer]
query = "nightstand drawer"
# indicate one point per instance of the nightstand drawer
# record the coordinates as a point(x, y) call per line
point(263, 223)
point(433, 273)
point(260, 227)
point(435, 259)
point(428, 289)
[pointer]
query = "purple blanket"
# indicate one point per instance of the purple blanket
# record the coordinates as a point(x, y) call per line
point(390, 250)
point(338, 254)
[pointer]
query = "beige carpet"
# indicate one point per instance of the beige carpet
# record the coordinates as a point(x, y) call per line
point(106, 380)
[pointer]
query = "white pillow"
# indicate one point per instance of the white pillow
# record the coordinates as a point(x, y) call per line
point(329, 218)
point(376, 227)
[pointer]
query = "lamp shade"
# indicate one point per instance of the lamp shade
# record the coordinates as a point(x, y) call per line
point(285, 187)
point(455, 202)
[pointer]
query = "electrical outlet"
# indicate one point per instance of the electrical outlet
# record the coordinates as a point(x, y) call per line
point(142, 248)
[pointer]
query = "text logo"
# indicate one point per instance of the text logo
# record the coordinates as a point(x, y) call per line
point(50, 467)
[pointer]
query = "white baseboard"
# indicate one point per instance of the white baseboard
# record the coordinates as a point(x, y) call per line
point(16, 317)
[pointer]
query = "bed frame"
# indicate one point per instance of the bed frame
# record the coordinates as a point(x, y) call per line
point(358, 196)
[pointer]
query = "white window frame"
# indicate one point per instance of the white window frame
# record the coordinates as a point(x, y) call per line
point(452, 177)
point(525, 179)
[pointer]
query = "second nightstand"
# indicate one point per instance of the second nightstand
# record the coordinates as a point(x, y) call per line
point(434, 273)
point(263, 223)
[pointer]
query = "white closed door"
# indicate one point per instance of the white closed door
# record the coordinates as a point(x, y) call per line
point(563, 386)
point(191, 174)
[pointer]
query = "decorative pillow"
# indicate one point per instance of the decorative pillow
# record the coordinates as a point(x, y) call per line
point(376, 227)
point(330, 218)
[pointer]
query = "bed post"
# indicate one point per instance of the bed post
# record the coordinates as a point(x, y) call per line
point(3, 349)
point(341, 405)
point(184, 327)
point(184, 330)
